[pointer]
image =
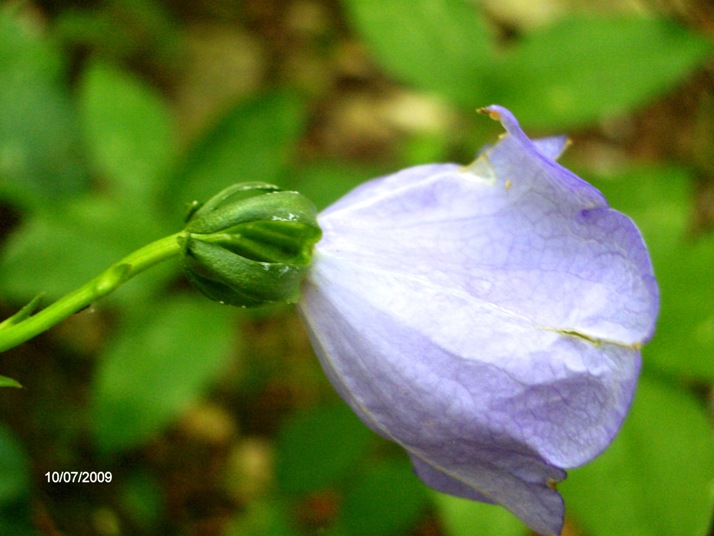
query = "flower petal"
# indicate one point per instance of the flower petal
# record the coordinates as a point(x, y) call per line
point(514, 229)
point(437, 405)
point(487, 318)
point(538, 505)
point(488, 357)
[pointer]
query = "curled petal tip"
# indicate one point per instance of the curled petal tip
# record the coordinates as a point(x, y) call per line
point(505, 117)
point(491, 111)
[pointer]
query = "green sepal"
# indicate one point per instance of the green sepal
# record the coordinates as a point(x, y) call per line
point(233, 279)
point(250, 245)
point(273, 205)
point(232, 194)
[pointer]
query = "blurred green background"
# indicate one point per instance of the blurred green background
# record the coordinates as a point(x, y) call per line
point(116, 113)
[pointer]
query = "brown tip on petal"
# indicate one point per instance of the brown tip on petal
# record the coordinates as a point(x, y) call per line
point(552, 484)
point(491, 113)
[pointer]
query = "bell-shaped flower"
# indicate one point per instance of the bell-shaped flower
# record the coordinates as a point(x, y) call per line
point(487, 318)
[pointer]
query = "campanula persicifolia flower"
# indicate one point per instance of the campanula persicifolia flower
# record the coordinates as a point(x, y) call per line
point(487, 318)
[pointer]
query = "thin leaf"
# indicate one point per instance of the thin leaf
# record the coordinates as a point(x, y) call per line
point(9, 382)
point(23, 313)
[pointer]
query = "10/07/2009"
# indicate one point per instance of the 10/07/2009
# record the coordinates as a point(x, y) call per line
point(81, 477)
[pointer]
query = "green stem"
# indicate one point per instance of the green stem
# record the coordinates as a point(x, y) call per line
point(13, 333)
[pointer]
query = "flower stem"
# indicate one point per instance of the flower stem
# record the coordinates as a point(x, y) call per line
point(24, 325)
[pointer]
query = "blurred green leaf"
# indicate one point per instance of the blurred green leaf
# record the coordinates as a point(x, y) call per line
point(14, 468)
point(658, 200)
point(438, 45)
point(573, 72)
point(39, 149)
point(580, 69)
point(128, 131)
point(141, 497)
point(18, 518)
point(657, 476)
point(252, 142)
point(262, 518)
point(123, 31)
point(9, 382)
point(56, 252)
point(325, 182)
point(315, 448)
point(435, 146)
point(15, 486)
point(684, 341)
point(387, 499)
point(461, 516)
point(160, 361)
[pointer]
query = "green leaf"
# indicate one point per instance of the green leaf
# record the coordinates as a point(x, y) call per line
point(387, 499)
point(262, 518)
point(125, 31)
point(128, 131)
point(16, 513)
point(570, 73)
point(325, 182)
point(39, 149)
point(437, 45)
point(18, 519)
point(57, 252)
point(657, 476)
point(252, 142)
point(578, 70)
point(142, 499)
point(14, 468)
point(684, 341)
point(9, 382)
point(159, 363)
point(658, 200)
point(316, 448)
point(461, 516)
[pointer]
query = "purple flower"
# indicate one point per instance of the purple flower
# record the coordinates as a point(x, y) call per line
point(487, 318)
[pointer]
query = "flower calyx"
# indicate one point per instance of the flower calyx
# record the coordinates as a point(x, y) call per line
point(249, 245)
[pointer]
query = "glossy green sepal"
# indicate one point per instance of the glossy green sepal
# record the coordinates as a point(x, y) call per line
point(250, 245)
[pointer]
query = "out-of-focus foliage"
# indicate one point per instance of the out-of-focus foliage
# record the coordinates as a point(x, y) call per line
point(15, 485)
point(566, 74)
point(38, 133)
point(219, 421)
point(642, 470)
point(252, 142)
point(128, 132)
point(149, 372)
point(317, 448)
